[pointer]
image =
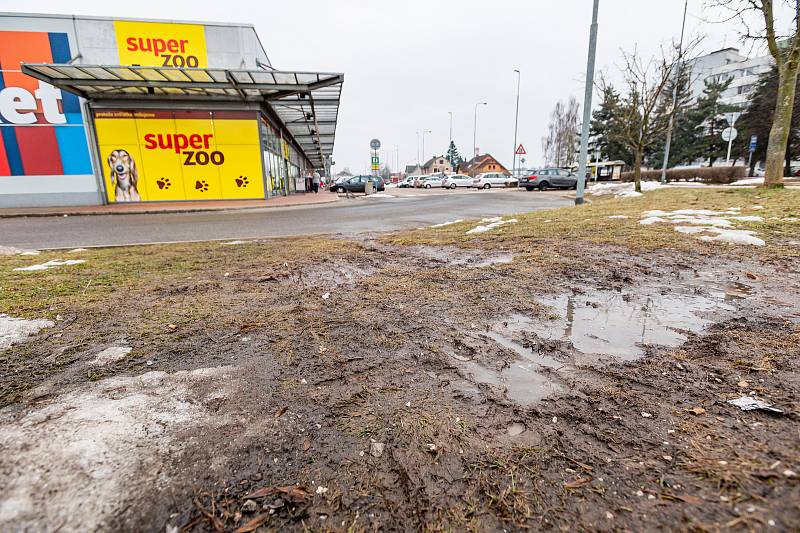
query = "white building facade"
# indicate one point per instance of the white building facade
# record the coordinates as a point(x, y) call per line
point(729, 64)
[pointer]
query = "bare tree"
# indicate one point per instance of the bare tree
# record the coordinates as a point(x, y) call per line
point(641, 120)
point(785, 49)
point(560, 145)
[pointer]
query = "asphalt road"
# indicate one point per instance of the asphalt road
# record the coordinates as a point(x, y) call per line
point(396, 209)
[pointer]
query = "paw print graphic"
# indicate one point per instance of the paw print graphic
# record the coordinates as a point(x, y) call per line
point(164, 183)
point(242, 181)
point(201, 185)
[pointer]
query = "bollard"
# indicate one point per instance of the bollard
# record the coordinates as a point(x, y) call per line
point(369, 187)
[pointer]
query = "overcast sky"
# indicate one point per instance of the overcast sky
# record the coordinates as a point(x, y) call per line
point(408, 62)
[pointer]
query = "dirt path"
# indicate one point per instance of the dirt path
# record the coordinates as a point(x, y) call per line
point(416, 382)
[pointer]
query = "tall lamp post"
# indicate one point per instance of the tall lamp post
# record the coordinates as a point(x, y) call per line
point(423, 143)
point(451, 125)
point(677, 81)
point(475, 130)
point(516, 124)
point(587, 107)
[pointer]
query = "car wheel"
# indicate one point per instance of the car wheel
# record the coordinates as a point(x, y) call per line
point(428, 186)
point(543, 186)
point(487, 185)
point(529, 189)
point(452, 185)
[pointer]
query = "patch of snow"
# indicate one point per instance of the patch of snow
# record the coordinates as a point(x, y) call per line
point(233, 243)
point(733, 236)
point(77, 251)
point(690, 230)
point(705, 212)
point(12, 250)
point(651, 220)
point(71, 462)
point(443, 224)
point(492, 220)
point(702, 221)
point(655, 213)
point(757, 207)
point(111, 355)
point(749, 181)
point(14, 330)
point(749, 218)
point(622, 190)
point(498, 221)
point(619, 217)
point(50, 264)
point(629, 194)
point(379, 195)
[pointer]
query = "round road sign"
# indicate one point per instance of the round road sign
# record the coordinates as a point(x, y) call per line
point(729, 134)
point(375, 144)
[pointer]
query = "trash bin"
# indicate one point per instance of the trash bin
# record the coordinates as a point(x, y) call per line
point(369, 187)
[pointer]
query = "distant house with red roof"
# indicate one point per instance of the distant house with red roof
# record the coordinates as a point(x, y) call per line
point(480, 164)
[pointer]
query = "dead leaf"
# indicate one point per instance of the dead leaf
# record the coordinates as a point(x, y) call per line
point(280, 412)
point(694, 500)
point(172, 327)
point(743, 384)
point(306, 445)
point(751, 275)
point(578, 483)
point(698, 411)
point(291, 493)
point(253, 524)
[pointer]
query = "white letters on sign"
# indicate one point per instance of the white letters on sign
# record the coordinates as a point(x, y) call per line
point(18, 105)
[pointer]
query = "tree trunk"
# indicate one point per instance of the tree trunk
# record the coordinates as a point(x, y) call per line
point(637, 169)
point(781, 125)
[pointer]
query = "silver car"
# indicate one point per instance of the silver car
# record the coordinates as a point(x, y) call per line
point(458, 180)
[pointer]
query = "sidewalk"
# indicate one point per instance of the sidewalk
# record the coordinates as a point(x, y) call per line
point(171, 207)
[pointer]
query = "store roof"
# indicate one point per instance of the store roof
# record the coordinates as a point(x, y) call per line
point(306, 102)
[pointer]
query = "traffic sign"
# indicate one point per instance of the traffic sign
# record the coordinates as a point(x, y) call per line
point(521, 150)
point(375, 144)
point(375, 160)
point(753, 143)
point(729, 134)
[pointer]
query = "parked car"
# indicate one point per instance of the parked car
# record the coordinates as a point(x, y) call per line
point(407, 182)
point(487, 180)
point(358, 184)
point(458, 180)
point(432, 181)
point(547, 178)
point(419, 179)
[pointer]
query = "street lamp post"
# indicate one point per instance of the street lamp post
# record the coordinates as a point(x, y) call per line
point(587, 107)
point(516, 124)
point(475, 130)
point(423, 143)
point(451, 126)
point(671, 123)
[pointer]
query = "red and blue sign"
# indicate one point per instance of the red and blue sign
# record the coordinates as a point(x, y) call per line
point(41, 128)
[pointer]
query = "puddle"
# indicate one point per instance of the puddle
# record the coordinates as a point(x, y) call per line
point(523, 381)
point(516, 429)
point(619, 324)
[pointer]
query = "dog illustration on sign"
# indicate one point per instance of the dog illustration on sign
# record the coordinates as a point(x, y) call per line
point(124, 176)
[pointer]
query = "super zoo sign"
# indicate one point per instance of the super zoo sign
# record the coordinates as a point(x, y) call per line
point(158, 44)
point(179, 155)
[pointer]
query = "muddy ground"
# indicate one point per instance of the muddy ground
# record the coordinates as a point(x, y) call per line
point(525, 378)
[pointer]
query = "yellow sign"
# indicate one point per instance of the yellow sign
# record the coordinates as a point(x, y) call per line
point(160, 155)
point(161, 44)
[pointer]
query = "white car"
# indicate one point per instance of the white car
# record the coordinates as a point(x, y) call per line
point(488, 180)
point(431, 181)
point(458, 180)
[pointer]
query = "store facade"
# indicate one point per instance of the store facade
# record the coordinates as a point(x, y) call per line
point(98, 111)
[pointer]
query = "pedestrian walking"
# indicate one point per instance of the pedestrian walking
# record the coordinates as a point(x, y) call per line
point(315, 182)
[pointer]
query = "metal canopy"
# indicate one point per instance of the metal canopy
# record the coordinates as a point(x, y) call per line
point(306, 102)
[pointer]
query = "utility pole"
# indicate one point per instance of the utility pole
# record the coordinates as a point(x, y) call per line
point(516, 124)
point(451, 127)
point(423, 143)
point(587, 107)
point(674, 97)
point(475, 130)
point(417, 148)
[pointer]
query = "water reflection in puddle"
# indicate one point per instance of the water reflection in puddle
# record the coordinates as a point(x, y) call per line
point(617, 324)
point(597, 323)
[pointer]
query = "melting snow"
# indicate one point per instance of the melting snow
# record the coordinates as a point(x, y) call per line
point(50, 264)
point(749, 181)
point(622, 190)
point(493, 223)
point(651, 220)
point(14, 330)
point(443, 224)
point(733, 236)
point(111, 355)
point(704, 221)
point(11, 250)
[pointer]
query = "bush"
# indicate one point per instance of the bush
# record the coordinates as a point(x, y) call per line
point(724, 174)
